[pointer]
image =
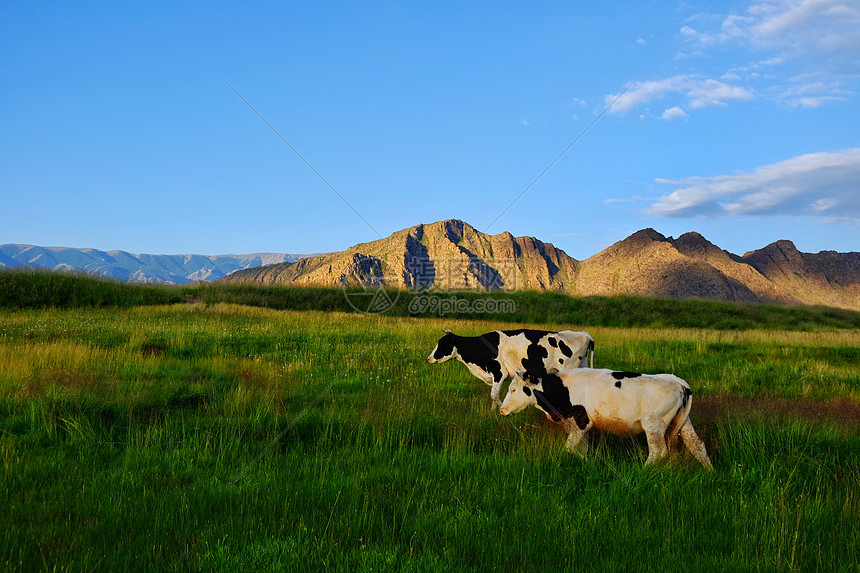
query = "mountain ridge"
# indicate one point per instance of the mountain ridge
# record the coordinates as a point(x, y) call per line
point(125, 266)
point(453, 255)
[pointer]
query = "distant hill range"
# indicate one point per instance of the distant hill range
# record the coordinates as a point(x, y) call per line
point(453, 255)
point(120, 265)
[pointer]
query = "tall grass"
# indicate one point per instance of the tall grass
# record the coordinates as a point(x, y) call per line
point(39, 289)
point(33, 288)
point(547, 307)
point(227, 437)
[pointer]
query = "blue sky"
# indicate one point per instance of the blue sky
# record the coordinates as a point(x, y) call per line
point(120, 130)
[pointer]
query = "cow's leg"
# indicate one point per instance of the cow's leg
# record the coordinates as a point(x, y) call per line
point(694, 444)
point(655, 432)
point(656, 447)
point(672, 438)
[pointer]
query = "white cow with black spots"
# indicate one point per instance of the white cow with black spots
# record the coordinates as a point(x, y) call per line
point(622, 403)
point(496, 356)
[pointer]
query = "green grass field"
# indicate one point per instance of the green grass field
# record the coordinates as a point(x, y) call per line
point(179, 435)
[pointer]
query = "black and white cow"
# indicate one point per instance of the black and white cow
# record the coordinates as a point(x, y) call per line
point(622, 403)
point(496, 356)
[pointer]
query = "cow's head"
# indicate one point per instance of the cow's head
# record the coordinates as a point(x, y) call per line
point(446, 348)
point(521, 393)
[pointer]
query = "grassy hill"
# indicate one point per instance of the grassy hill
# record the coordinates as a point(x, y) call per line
point(34, 289)
point(194, 434)
point(29, 288)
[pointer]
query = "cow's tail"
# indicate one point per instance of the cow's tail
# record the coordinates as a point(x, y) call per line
point(590, 352)
point(674, 428)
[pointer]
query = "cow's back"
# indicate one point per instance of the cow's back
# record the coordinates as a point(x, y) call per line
point(542, 351)
point(522, 350)
point(572, 349)
point(614, 397)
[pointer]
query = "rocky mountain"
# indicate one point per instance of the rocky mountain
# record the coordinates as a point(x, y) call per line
point(120, 265)
point(453, 255)
point(448, 255)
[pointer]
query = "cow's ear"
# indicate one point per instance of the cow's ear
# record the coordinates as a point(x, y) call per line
point(446, 331)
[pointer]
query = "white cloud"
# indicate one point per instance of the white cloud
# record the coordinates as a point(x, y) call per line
point(799, 35)
point(823, 205)
point(699, 92)
point(820, 184)
point(782, 41)
point(731, 29)
point(634, 199)
point(674, 113)
point(815, 90)
point(800, 28)
point(708, 93)
point(814, 101)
